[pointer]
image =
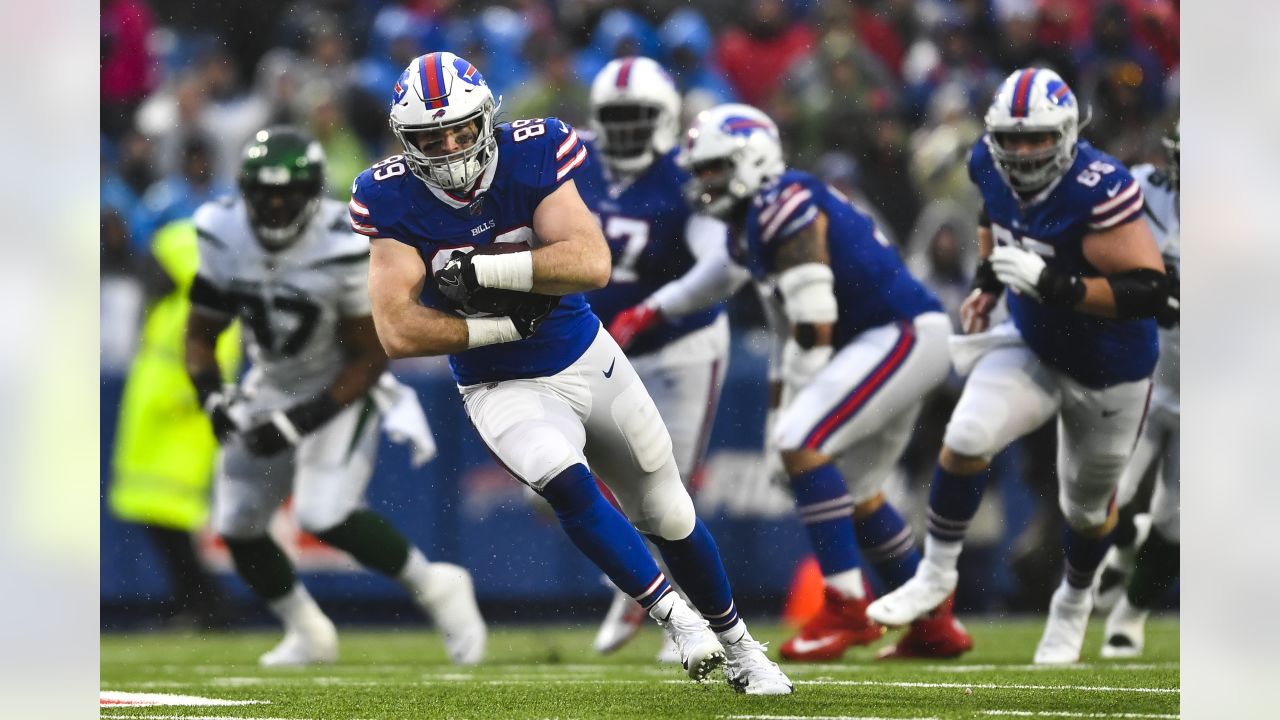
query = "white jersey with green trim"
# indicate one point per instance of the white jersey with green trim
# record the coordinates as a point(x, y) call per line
point(1162, 215)
point(292, 300)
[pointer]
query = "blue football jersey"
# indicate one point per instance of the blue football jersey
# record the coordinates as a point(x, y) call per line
point(534, 158)
point(872, 285)
point(644, 222)
point(1095, 194)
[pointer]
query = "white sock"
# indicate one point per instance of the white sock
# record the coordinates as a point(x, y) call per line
point(942, 555)
point(296, 608)
point(734, 634)
point(1075, 595)
point(848, 583)
point(414, 575)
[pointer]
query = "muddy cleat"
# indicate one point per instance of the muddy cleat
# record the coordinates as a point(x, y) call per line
point(919, 596)
point(450, 599)
point(312, 643)
point(700, 650)
point(621, 623)
point(750, 670)
point(936, 635)
point(840, 624)
point(1064, 631)
point(1126, 631)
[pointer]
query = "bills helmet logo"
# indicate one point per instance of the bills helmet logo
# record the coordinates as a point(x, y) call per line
point(468, 73)
point(1060, 94)
point(401, 87)
point(739, 125)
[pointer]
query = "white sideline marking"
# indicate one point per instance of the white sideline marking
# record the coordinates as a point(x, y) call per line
point(190, 717)
point(989, 686)
point(111, 698)
point(1074, 714)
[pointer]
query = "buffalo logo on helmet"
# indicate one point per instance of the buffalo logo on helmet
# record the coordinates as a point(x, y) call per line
point(1060, 94)
point(401, 86)
point(738, 125)
point(468, 73)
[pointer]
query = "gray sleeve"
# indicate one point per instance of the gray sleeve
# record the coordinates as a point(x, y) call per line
point(713, 278)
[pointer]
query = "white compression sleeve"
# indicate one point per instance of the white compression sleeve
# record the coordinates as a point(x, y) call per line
point(490, 331)
point(713, 278)
point(808, 291)
point(512, 271)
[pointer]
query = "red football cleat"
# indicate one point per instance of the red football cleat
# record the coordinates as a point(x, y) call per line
point(840, 624)
point(936, 635)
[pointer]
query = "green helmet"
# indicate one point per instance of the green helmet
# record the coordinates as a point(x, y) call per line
point(1172, 148)
point(282, 179)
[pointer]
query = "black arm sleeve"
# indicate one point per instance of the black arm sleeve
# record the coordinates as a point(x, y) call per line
point(208, 296)
point(984, 220)
point(1141, 293)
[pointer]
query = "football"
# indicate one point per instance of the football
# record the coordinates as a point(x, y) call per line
point(504, 302)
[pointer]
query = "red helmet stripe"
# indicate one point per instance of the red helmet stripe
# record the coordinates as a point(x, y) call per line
point(433, 81)
point(624, 73)
point(1022, 93)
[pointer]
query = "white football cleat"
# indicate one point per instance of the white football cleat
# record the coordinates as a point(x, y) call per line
point(1064, 631)
point(668, 654)
point(621, 623)
point(311, 643)
point(1126, 631)
point(750, 671)
point(450, 599)
point(1117, 567)
point(917, 597)
point(700, 651)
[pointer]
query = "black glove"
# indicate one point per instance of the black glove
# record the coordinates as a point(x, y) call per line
point(285, 429)
point(985, 279)
point(529, 314)
point(457, 279)
point(1169, 315)
point(215, 404)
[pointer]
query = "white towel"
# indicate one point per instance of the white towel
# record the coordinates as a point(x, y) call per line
point(403, 419)
point(967, 349)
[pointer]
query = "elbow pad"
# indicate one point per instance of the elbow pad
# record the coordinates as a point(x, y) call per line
point(808, 294)
point(1141, 293)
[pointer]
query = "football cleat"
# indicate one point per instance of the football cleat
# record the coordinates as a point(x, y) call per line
point(311, 643)
point(700, 650)
point(1117, 566)
point(621, 623)
point(936, 635)
point(749, 670)
point(1064, 631)
point(840, 624)
point(925, 591)
point(1126, 631)
point(450, 599)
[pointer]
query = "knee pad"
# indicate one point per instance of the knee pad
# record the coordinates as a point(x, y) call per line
point(318, 514)
point(635, 415)
point(970, 437)
point(669, 514)
point(538, 453)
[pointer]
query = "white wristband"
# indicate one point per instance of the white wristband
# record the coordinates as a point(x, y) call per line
point(490, 331)
point(512, 271)
point(286, 427)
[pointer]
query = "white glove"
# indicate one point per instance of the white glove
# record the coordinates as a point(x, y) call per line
point(1019, 269)
point(800, 365)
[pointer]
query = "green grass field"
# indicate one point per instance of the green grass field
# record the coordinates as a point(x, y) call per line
point(551, 672)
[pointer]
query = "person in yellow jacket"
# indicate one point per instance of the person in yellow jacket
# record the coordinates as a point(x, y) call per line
point(163, 459)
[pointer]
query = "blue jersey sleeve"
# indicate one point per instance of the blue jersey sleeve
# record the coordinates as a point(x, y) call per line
point(563, 155)
point(787, 211)
point(373, 208)
point(1114, 196)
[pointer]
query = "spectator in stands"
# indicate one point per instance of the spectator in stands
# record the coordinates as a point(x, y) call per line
point(128, 66)
point(687, 40)
point(177, 195)
point(620, 33)
point(554, 90)
point(756, 56)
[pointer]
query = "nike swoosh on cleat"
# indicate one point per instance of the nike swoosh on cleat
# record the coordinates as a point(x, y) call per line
point(609, 373)
point(800, 645)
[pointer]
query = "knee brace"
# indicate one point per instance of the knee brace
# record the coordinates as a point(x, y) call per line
point(668, 512)
point(970, 437)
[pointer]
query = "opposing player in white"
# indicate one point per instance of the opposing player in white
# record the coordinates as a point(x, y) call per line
point(656, 306)
point(481, 249)
point(284, 260)
point(1061, 228)
point(1144, 564)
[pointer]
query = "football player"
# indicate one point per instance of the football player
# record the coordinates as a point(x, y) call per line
point(283, 259)
point(656, 305)
point(549, 391)
point(1139, 570)
point(863, 344)
point(1061, 228)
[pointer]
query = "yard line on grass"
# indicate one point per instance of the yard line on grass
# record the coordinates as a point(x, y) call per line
point(114, 716)
point(817, 717)
point(1074, 714)
point(987, 686)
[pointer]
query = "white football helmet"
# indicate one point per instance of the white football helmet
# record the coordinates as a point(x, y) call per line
point(635, 113)
point(440, 90)
point(1033, 100)
point(732, 151)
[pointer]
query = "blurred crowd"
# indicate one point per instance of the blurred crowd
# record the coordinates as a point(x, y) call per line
point(882, 98)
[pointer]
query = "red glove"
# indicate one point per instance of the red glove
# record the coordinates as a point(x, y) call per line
point(631, 322)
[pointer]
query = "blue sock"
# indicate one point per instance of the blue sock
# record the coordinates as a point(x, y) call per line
point(695, 564)
point(604, 535)
point(889, 545)
point(1083, 556)
point(953, 501)
point(825, 508)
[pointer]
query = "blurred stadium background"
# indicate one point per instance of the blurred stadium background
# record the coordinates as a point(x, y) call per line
point(882, 98)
